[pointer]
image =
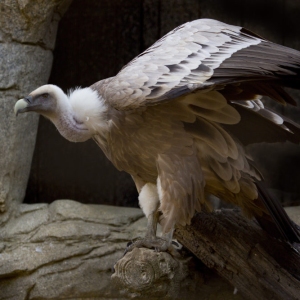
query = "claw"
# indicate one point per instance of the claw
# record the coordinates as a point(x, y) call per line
point(129, 243)
point(151, 241)
point(158, 244)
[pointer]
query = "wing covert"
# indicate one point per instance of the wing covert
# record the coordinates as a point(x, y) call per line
point(204, 54)
point(180, 62)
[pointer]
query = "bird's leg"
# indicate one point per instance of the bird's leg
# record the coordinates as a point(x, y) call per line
point(167, 236)
point(149, 202)
point(152, 225)
point(151, 241)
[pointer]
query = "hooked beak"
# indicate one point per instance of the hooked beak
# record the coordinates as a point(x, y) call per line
point(22, 105)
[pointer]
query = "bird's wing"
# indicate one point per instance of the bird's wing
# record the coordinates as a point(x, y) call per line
point(203, 54)
point(260, 124)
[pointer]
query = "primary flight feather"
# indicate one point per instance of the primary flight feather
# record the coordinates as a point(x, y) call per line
point(177, 118)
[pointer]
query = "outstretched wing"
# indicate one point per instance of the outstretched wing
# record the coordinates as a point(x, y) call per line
point(204, 54)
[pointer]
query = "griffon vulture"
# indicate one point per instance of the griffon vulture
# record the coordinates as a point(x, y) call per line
point(177, 118)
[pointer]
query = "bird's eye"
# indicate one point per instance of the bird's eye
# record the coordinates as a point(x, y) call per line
point(45, 96)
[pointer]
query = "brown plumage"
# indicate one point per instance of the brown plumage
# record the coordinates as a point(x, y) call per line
point(177, 118)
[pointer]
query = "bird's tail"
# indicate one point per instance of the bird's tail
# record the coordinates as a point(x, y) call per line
point(279, 225)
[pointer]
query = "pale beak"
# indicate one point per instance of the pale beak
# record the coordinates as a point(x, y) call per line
point(20, 106)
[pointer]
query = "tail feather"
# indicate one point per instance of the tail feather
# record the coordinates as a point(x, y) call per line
point(280, 225)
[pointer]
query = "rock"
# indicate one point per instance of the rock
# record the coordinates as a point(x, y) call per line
point(68, 250)
point(26, 46)
point(35, 22)
point(27, 221)
point(63, 242)
point(68, 209)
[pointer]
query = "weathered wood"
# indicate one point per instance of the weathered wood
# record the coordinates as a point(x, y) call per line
point(144, 271)
point(147, 274)
point(257, 265)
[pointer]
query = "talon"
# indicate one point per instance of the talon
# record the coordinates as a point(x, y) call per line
point(129, 247)
point(157, 244)
point(175, 244)
point(129, 244)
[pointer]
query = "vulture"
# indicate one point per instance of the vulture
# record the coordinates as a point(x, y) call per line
point(177, 118)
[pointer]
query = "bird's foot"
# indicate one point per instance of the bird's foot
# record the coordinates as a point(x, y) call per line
point(156, 243)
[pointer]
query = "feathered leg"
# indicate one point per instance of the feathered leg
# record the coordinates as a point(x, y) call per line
point(149, 203)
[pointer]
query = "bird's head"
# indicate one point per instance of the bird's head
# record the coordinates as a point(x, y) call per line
point(45, 100)
point(78, 116)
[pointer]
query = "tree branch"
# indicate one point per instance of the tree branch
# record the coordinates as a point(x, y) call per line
point(257, 265)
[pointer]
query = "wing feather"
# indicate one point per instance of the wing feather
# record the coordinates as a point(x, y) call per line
point(199, 55)
point(181, 61)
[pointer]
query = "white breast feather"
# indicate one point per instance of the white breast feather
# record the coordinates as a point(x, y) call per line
point(89, 108)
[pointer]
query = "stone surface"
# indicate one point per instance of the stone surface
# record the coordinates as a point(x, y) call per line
point(68, 250)
point(35, 21)
point(25, 63)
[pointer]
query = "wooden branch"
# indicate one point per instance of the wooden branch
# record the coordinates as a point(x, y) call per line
point(154, 274)
point(257, 265)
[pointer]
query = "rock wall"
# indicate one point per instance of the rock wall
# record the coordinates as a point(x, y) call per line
point(27, 38)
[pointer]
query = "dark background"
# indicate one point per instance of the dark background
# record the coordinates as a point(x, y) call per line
point(95, 39)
